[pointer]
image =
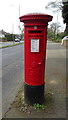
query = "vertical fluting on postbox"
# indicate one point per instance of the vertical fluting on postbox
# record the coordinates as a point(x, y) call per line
point(35, 37)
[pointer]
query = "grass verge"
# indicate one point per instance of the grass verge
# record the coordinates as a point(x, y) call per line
point(11, 45)
point(20, 104)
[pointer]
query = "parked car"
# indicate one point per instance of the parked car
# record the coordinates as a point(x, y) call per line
point(65, 38)
point(17, 40)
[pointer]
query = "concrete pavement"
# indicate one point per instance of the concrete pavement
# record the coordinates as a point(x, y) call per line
point(55, 83)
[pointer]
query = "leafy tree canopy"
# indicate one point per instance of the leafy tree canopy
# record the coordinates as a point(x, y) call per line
point(63, 6)
point(65, 12)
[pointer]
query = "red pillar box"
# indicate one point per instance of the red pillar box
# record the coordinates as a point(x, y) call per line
point(35, 37)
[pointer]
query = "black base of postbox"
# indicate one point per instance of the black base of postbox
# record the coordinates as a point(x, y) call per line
point(33, 94)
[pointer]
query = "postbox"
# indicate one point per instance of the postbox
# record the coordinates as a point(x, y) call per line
point(35, 38)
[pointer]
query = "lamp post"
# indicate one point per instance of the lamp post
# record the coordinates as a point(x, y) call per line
point(18, 16)
point(13, 32)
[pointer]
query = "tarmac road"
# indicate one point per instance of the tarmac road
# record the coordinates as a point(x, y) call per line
point(12, 74)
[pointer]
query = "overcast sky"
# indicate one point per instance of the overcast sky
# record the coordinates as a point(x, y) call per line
point(9, 13)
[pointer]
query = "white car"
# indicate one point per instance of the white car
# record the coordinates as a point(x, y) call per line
point(17, 40)
point(65, 38)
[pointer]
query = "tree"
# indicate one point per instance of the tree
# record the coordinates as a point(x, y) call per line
point(9, 37)
point(57, 5)
point(50, 34)
point(22, 34)
point(55, 27)
point(53, 30)
point(65, 15)
point(63, 6)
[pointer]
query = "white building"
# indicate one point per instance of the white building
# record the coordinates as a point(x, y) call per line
point(2, 33)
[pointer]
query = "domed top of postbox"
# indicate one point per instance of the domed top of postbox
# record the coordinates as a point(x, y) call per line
point(36, 17)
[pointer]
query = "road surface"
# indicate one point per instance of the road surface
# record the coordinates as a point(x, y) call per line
point(12, 74)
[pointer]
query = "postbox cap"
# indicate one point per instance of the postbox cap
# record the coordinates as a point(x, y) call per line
point(36, 16)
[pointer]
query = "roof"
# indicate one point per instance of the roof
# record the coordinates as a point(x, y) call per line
point(3, 32)
point(36, 17)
